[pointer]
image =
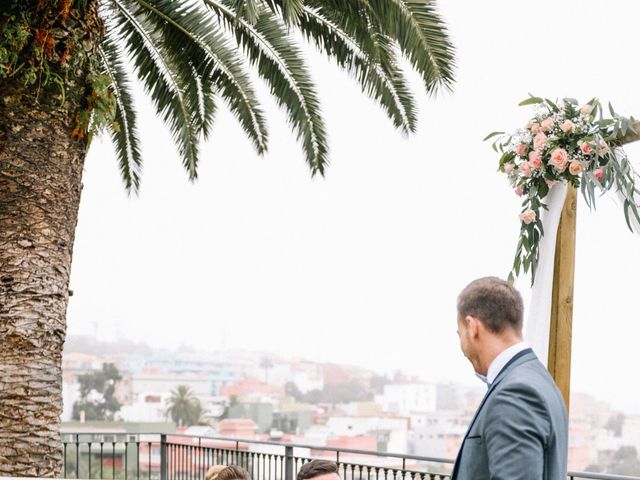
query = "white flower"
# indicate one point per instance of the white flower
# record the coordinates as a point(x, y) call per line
point(586, 109)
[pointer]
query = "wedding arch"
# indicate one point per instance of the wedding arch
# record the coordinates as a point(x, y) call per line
point(565, 146)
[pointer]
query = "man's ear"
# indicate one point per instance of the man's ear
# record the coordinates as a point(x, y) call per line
point(474, 325)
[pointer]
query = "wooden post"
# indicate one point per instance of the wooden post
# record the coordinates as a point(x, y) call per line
point(559, 361)
point(560, 331)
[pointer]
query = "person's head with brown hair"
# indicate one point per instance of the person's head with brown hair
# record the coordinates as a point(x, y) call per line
point(214, 470)
point(319, 470)
point(233, 472)
point(490, 317)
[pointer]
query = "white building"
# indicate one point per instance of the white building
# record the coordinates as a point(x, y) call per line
point(405, 398)
point(146, 408)
point(392, 432)
point(75, 363)
point(631, 431)
point(306, 376)
point(438, 434)
point(134, 388)
point(70, 395)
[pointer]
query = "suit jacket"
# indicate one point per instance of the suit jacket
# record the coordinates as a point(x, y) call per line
point(520, 429)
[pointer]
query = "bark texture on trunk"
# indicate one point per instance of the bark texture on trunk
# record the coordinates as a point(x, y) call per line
point(40, 183)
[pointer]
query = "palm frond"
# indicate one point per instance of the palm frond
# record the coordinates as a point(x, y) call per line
point(182, 54)
point(280, 64)
point(421, 35)
point(205, 110)
point(168, 88)
point(371, 62)
point(124, 133)
point(190, 33)
point(289, 10)
point(247, 9)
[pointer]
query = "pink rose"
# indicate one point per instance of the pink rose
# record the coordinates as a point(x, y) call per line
point(559, 159)
point(508, 168)
point(535, 160)
point(539, 140)
point(525, 168)
point(575, 167)
point(528, 216)
point(586, 109)
point(598, 174)
point(535, 128)
point(550, 183)
point(547, 124)
point(568, 126)
point(521, 150)
point(586, 148)
point(518, 191)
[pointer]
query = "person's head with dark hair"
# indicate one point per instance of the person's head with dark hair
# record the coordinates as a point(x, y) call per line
point(319, 470)
point(233, 472)
point(490, 316)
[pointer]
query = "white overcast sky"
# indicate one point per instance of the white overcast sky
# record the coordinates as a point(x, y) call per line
point(364, 266)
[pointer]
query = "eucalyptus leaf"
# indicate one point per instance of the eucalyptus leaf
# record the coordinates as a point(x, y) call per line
point(491, 135)
point(531, 101)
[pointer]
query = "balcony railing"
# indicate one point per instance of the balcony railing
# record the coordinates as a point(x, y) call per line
point(152, 456)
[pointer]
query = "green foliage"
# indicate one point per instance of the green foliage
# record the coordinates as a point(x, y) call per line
point(352, 391)
point(15, 33)
point(625, 462)
point(377, 383)
point(615, 424)
point(97, 394)
point(190, 54)
point(184, 408)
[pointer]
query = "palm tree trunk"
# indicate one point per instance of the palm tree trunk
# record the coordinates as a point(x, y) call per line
point(40, 183)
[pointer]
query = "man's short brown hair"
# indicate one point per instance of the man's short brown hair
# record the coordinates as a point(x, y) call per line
point(233, 472)
point(493, 301)
point(315, 468)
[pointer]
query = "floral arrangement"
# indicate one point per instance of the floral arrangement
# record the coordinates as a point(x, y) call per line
point(564, 142)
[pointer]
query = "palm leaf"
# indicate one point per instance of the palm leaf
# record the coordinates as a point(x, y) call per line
point(280, 64)
point(166, 86)
point(190, 33)
point(374, 68)
point(181, 53)
point(247, 9)
point(124, 134)
point(288, 9)
point(421, 35)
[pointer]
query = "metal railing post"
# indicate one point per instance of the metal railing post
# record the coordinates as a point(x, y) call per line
point(163, 457)
point(288, 463)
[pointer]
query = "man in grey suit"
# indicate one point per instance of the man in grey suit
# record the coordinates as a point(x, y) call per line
point(520, 429)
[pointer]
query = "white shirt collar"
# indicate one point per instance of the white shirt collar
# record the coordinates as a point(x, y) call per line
point(500, 361)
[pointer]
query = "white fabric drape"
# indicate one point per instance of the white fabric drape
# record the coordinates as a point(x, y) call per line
point(538, 321)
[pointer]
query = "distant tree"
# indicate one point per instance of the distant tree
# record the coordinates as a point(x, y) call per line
point(593, 468)
point(284, 423)
point(184, 408)
point(339, 393)
point(399, 376)
point(97, 394)
point(377, 383)
point(267, 364)
point(615, 424)
point(292, 390)
point(625, 462)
